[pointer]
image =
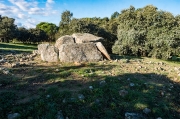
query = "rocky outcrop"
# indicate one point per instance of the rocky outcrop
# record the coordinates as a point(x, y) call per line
point(80, 47)
point(67, 39)
point(103, 50)
point(85, 37)
point(79, 52)
point(50, 54)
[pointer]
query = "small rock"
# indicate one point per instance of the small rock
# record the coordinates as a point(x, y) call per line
point(90, 87)
point(128, 79)
point(161, 63)
point(2, 60)
point(57, 70)
point(60, 115)
point(126, 61)
point(15, 65)
point(81, 96)
point(116, 60)
point(48, 96)
point(147, 111)
point(132, 116)
point(13, 116)
point(64, 101)
point(0, 85)
point(123, 93)
point(102, 82)
point(5, 72)
point(1, 68)
point(176, 69)
point(139, 67)
point(21, 60)
point(132, 84)
point(97, 101)
point(159, 118)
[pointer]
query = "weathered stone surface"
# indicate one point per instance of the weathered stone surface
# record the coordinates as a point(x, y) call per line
point(42, 47)
point(64, 40)
point(133, 116)
point(79, 52)
point(50, 54)
point(13, 116)
point(85, 37)
point(147, 110)
point(103, 50)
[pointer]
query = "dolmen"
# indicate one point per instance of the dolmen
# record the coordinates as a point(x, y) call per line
point(78, 47)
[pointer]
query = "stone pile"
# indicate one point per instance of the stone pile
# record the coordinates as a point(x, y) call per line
point(79, 47)
point(16, 60)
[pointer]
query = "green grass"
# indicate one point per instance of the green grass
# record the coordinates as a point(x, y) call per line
point(48, 88)
point(19, 47)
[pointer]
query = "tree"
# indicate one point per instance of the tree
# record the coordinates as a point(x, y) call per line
point(23, 35)
point(115, 15)
point(147, 32)
point(66, 17)
point(36, 35)
point(7, 28)
point(49, 28)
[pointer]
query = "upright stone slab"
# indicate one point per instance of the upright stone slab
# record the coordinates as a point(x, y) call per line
point(50, 54)
point(85, 38)
point(64, 40)
point(103, 50)
point(79, 52)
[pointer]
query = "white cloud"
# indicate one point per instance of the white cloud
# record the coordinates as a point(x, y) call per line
point(8, 10)
point(49, 4)
point(22, 16)
point(27, 13)
point(23, 5)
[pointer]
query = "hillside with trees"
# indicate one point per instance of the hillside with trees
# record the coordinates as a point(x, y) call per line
point(144, 31)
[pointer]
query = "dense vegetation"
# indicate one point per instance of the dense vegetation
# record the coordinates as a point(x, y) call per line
point(148, 32)
point(140, 32)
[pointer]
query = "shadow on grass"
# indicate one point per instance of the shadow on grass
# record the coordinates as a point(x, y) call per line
point(124, 57)
point(89, 92)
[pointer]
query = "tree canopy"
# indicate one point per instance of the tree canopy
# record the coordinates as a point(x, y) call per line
point(49, 28)
point(7, 28)
point(147, 32)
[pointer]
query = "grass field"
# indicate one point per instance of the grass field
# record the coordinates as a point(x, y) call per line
point(18, 47)
point(96, 90)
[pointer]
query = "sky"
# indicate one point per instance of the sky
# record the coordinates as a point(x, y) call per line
point(28, 13)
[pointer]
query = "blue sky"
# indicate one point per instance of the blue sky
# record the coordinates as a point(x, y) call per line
point(28, 13)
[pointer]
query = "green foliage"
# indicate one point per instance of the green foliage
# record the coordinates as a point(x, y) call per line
point(36, 35)
point(7, 29)
point(147, 32)
point(49, 28)
point(66, 17)
point(114, 15)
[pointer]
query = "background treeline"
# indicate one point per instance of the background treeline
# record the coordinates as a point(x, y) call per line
point(145, 31)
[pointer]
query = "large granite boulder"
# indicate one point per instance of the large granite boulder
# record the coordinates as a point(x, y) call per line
point(50, 54)
point(85, 38)
point(67, 39)
point(79, 52)
point(42, 47)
